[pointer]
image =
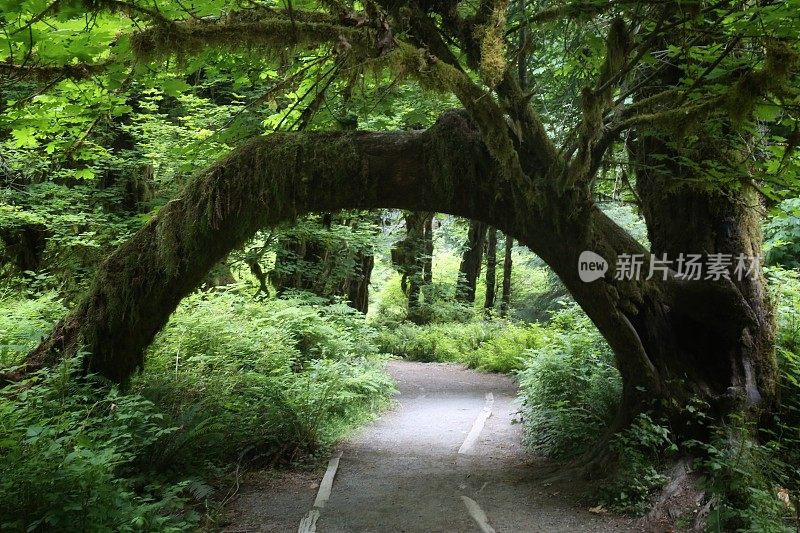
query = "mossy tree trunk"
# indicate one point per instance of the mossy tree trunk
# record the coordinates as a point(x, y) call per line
point(712, 341)
point(491, 270)
point(470, 269)
point(652, 325)
point(412, 257)
point(505, 299)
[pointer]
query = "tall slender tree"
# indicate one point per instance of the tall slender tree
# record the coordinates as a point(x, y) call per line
point(505, 301)
point(471, 260)
point(491, 270)
point(412, 259)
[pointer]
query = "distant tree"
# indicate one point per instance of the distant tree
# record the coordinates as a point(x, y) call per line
point(491, 269)
point(412, 258)
point(505, 300)
point(470, 269)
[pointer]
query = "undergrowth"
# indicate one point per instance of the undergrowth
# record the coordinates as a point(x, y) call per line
point(495, 346)
point(73, 456)
point(569, 386)
point(231, 383)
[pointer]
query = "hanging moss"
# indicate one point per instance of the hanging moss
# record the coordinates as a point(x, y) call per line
point(44, 74)
point(493, 44)
point(238, 33)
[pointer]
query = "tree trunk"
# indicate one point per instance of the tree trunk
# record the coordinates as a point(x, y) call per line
point(427, 260)
point(506, 297)
point(470, 269)
point(255, 269)
point(416, 223)
point(716, 347)
point(491, 267)
point(711, 336)
point(358, 283)
point(24, 245)
point(410, 257)
point(714, 340)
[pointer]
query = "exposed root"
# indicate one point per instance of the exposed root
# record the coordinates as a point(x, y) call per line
point(681, 502)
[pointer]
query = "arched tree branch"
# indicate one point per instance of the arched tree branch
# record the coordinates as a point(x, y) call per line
point(448, 169)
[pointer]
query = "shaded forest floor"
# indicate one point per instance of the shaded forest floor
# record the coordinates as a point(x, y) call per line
point(434, 462)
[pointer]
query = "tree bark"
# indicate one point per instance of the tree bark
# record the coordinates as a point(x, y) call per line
point(714, 340)
point(720, 349)
point(427, 260)
point(25, 245)
point(491, 270)
point(470, 268)
point(506, 297)
point(411, 258)
point(358, 283)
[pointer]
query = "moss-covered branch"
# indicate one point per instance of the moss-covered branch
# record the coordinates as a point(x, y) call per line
point(257, 30)
point(435, 74)
point(595, 101)
point(45, 73)
point(267, 181)
point(472, 34)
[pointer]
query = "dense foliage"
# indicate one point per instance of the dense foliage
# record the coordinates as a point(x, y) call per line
point(231, 383)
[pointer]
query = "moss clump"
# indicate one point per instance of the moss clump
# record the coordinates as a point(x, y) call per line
point(493, 45)
point(779, 65)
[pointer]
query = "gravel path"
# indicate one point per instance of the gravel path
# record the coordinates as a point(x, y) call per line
point(428, 466)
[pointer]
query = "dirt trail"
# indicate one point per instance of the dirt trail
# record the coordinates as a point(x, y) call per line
point(428, 466)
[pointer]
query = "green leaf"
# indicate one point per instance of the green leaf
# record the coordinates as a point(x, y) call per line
point(767, 112)
point(174, 87)
point(84, 174)
point(33, 431)
point(25, 138)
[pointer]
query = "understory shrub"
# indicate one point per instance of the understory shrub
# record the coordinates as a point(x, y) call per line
point(230, 382)
point(569, 386)
point(436, 307)
point(639, 451)
point(787, 437)
point(282, 377)
point(571, 391)
point(744, 477)
point(492, 345)
point(23, 323)
point(70, 451)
